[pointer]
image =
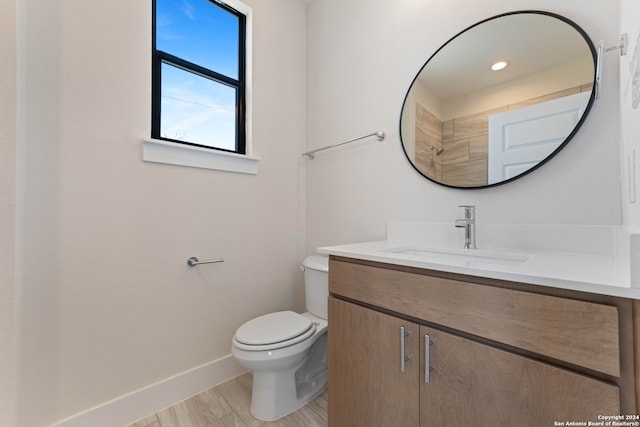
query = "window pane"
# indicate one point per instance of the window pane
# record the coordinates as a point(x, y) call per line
point(197, 110)
point(200, 32)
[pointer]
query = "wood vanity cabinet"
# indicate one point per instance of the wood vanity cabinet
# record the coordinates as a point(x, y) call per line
point(368, 386)
point(499, 353)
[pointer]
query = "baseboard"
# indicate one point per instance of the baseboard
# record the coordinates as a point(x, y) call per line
point(133, 406)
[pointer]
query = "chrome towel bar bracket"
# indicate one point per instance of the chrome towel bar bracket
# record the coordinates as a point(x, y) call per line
point(312, 154)
point(193, 261)
point(622, 47)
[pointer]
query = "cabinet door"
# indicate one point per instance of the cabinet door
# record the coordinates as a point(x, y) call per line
point(475, 384)
point(366, 384)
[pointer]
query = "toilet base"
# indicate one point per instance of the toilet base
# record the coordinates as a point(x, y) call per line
point(278, 393)
point(274, 394)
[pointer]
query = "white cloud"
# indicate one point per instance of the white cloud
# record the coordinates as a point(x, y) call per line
point(187, 8)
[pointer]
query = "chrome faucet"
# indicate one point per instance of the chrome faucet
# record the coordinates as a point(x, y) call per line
point(469, 225)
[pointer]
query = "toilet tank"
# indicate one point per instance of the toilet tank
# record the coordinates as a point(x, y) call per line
point(316, 284)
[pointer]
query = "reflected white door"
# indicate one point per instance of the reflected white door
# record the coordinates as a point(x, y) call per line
point(519, 139)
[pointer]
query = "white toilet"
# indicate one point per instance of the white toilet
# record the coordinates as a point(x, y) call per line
point(287, 351)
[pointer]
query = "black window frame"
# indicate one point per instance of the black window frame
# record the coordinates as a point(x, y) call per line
point(160, 57)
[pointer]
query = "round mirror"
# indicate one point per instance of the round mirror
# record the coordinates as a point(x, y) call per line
point(499, 99)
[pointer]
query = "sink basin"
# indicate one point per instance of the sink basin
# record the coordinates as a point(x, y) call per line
point(475, 256)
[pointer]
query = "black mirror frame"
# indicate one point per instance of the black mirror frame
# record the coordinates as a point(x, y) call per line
point(592, 98)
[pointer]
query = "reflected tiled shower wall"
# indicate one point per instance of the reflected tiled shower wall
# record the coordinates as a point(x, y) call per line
point(465, 141)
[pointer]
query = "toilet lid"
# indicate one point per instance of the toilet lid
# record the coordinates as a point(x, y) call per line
point(273, 328)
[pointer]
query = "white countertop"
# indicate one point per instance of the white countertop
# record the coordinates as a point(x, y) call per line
point(601, 271)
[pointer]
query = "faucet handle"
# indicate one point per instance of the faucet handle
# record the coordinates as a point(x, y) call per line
point(461, 223)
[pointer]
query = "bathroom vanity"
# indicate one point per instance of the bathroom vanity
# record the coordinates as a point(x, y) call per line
point(425, 333)
point(411, 346)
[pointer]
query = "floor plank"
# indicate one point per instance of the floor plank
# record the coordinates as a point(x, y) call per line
point(228, 405)
point(150, 421)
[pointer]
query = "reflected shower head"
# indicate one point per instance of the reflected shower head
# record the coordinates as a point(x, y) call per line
point(438, 150)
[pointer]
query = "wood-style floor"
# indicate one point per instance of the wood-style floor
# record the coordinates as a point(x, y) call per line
point(227, 405)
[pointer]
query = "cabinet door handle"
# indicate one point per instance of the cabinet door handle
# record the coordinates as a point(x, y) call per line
point(427, 364)
point(403, 356)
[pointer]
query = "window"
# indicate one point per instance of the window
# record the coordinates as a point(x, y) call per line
point(198, 95)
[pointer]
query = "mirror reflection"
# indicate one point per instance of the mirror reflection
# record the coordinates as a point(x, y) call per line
point(498, 100)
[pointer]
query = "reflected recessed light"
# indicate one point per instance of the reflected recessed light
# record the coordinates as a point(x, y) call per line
point(500, 65)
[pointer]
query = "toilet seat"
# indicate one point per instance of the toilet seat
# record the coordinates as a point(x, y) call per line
point(273, 330)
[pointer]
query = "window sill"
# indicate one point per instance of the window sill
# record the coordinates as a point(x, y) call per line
point(157, 151)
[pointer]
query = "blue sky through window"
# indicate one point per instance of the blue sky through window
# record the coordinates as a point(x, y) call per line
point(199, 32)
point(197, 110)
point(194, 108)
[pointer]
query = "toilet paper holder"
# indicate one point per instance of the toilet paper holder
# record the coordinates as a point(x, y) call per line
point(193, 261)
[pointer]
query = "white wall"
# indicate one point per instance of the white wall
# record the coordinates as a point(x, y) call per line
point(630, 116)
point(8, 308)
point(363, 54)
point(566, 76)
point(109, 304)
